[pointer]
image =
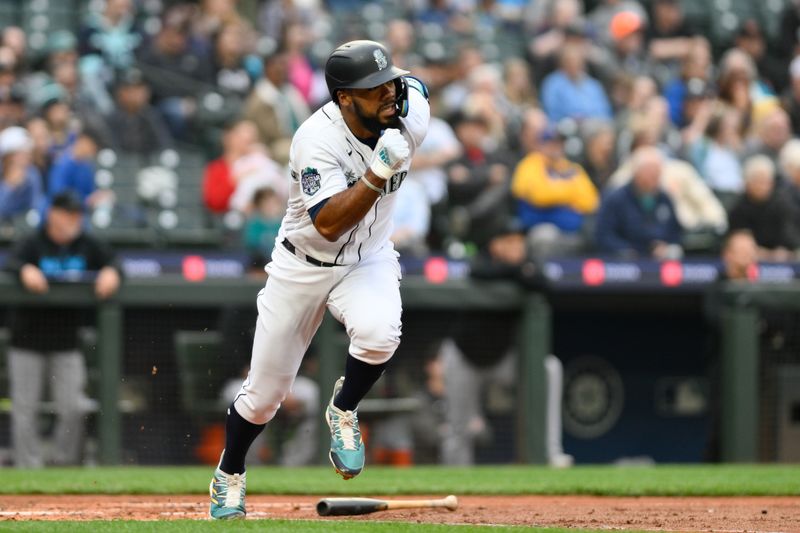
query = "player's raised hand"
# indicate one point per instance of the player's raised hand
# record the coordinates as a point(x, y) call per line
point(390, 153)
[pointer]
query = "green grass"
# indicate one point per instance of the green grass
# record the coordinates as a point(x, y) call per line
point(722, 480)
point(273, 526)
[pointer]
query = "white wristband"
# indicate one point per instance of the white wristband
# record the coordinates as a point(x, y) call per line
point(371, 186)
point(381, 169)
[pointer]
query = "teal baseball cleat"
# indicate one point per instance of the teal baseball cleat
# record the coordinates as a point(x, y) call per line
point(227, 496)
point(347, 448)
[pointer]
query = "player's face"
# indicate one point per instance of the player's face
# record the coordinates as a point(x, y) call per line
point(375, 107)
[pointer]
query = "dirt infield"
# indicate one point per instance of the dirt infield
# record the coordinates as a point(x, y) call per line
point(762, 514)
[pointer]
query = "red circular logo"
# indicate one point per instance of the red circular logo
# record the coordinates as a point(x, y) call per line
point(594, 272)
point(436, 270)
point(194, 268)
point(671, 273)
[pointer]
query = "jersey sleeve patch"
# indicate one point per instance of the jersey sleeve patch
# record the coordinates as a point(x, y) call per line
point(310, 181)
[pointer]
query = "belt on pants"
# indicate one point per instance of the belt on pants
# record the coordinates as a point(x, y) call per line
point(316, 262)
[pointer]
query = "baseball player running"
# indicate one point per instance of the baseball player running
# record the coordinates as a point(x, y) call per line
point(334, 252)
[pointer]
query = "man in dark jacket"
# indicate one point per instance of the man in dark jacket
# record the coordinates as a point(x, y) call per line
point(765, 212)
point(44, 340)
point(639, 218)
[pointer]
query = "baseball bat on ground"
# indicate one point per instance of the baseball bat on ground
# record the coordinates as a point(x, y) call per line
point(354, 506)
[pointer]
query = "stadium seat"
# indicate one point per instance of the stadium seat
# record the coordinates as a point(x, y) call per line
point(510, 44)
point(47, 16)
point(24, 224)
point(9, 13)
point(108, 158)
point(126, 194)
point(698, 14)
point(124, 226)
point(191, 166)
point(119, 161)
point(185, 227)
point(85, 6)
point(189, 195)
point(176, 158)
point(769, 15)
point(726, 18)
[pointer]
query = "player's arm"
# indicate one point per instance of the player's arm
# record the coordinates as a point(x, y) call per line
point(342, 211)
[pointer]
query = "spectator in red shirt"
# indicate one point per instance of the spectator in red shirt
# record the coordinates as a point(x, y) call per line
point(218, 182)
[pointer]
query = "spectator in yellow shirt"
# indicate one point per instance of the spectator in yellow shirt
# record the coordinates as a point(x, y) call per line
point(554, 196)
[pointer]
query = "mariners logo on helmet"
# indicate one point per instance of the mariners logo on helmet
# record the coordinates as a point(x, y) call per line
point(380, 59)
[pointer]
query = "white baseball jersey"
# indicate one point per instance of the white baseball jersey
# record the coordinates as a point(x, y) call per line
point(364, 293)
point(326, 158)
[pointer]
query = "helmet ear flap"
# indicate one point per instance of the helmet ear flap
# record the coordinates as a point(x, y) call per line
point(401, 101)
point(402, 85)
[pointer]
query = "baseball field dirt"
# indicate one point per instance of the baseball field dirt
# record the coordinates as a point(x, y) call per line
point(712, 514)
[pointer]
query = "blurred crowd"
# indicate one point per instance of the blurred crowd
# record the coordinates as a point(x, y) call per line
point(615, 127)
point(654, 129)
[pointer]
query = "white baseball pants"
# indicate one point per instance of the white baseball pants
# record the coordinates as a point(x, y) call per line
point(365, 297)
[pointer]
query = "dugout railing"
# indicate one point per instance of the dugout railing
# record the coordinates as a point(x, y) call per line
point(172, 291)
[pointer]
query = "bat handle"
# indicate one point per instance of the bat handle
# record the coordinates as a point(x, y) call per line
point(450, 503)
